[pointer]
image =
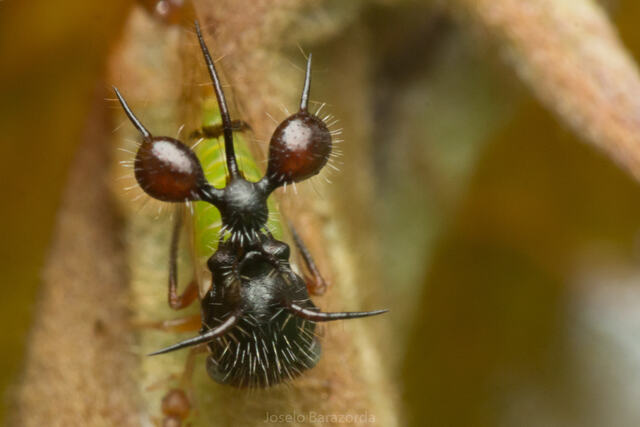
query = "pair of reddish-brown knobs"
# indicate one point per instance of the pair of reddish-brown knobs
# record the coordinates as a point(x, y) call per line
point(168, 170)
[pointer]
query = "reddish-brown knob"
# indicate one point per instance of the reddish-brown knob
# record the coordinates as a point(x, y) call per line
point(300, 147)
point(168, 170)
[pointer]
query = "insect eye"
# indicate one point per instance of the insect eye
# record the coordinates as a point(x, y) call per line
point(168, 170)
point(300, 147)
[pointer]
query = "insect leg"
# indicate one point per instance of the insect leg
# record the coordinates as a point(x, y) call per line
point(176, 403)
point(211, 132)
point(175, 407)
point(190, 293)
point(190, 364)
point(316, 285)
point(181, 324)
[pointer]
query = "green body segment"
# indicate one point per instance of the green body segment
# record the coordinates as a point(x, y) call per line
point(206, 218)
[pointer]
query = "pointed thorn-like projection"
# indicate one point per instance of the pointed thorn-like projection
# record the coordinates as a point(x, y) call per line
point(227, 127)
point(319, 316)
point(210, 335)
point(304, 99)
point(166, 168)
point(145, 133)
point(300, 145)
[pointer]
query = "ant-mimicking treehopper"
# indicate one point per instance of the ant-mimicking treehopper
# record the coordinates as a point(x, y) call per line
point(258, 321)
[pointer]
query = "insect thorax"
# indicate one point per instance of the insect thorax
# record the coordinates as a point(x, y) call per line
point(244, 209)
point(268, 344)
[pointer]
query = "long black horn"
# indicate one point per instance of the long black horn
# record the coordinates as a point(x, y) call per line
point(319, 316)
point(143, 130)
point(227, 129)
point(225, 327)
point(304, 99)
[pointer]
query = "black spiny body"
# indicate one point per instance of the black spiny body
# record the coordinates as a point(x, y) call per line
point(258, 322)
point(269, 343)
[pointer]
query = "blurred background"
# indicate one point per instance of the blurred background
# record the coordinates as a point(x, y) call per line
point(511, 247)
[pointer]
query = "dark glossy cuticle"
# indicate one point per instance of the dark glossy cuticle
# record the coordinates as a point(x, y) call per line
point(168, 170)
point(299, 149)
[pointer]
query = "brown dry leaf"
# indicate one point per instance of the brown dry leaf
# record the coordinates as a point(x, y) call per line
point(570, 55)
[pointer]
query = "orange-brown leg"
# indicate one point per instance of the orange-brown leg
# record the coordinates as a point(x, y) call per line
point(181, 324)
point(176, 403)
point(189, 365)
point(190, 293)
point(175, 408)
point(316, 285)
point(216, 131)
